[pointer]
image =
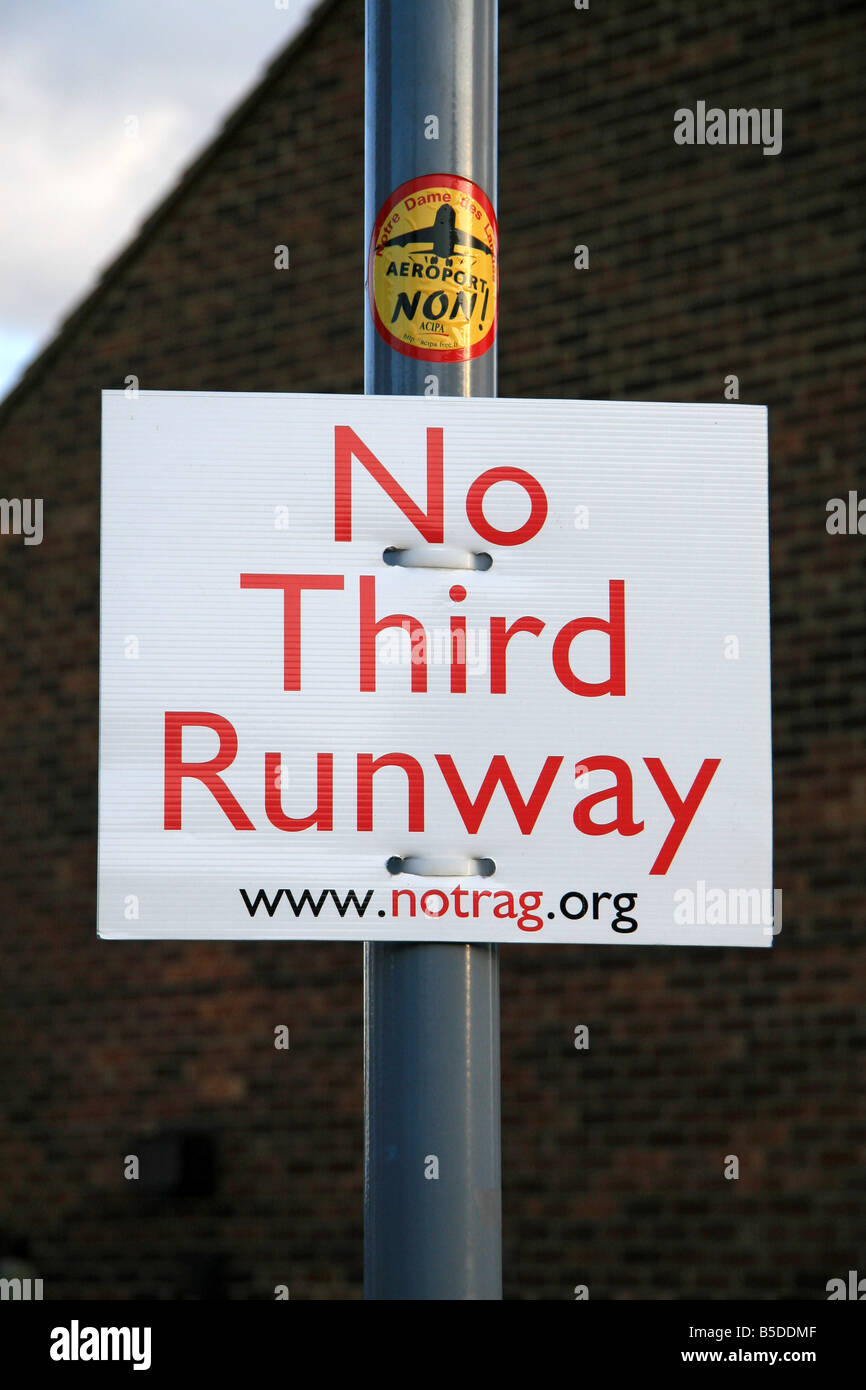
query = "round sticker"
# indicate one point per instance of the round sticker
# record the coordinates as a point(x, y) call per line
point(433, 271)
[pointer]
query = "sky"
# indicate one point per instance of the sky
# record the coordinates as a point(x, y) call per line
point(103, 104)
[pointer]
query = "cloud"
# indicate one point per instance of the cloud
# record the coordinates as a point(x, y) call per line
point(102, 105)
point(74, 181)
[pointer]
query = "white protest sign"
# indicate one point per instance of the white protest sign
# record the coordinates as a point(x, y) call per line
point(578, 735)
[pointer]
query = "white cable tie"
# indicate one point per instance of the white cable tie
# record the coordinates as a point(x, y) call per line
point(437, 557)
point(442, 866)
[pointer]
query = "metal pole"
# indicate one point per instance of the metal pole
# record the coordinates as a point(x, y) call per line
point(431, 1012)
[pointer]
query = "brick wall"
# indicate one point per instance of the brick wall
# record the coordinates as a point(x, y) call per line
point(704, 262)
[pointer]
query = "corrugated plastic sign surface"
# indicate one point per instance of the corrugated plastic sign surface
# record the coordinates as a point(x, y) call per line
point(578, 735)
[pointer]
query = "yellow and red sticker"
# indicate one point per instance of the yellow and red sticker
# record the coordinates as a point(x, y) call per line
point(433, 272)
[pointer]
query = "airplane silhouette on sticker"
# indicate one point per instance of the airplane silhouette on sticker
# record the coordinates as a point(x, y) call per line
point(442, 235)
